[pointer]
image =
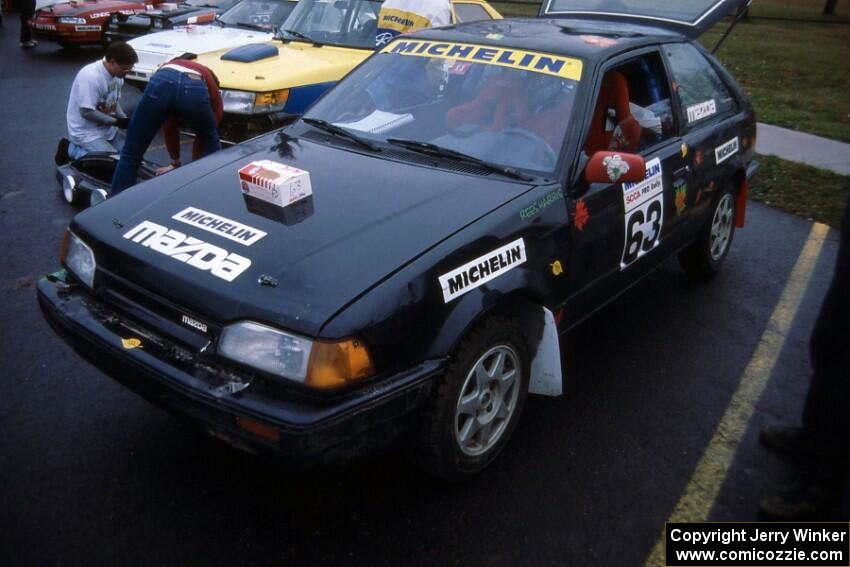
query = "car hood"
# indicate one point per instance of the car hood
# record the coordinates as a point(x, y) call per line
point(196, 39)
point(97, 6)
point(367, 218)
point(294, 65)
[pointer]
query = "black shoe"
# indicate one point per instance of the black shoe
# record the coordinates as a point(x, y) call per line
point(806, 498)
point(788, 441)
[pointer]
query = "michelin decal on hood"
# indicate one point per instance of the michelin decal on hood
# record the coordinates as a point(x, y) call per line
point(222, 226)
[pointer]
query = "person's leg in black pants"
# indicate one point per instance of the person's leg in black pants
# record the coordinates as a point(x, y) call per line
point(27, 9)
point(823, 442)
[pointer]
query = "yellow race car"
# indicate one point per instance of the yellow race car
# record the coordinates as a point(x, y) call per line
point(266, 85)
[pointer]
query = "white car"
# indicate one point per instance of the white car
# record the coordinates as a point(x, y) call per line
point(249, 21)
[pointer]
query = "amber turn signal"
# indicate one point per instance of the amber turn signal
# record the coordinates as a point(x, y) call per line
point(336, 364)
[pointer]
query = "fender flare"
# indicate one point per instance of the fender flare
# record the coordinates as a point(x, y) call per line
point(542, 334)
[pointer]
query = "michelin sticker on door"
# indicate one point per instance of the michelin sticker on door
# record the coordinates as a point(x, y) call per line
point(274, 182)
point(644, 206)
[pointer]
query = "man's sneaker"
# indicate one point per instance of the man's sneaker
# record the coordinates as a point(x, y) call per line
point(28, 44)
point(806, 498)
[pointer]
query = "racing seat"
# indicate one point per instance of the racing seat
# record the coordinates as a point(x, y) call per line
point(502, 103)
point(613, 127)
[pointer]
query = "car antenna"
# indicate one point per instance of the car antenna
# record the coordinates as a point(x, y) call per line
point(742, 11)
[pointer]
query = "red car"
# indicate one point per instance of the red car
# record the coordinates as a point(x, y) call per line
point(82, 22)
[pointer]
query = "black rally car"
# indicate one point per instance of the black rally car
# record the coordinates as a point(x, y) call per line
point(400, 262)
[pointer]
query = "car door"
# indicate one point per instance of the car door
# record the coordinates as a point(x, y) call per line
point(620, 231)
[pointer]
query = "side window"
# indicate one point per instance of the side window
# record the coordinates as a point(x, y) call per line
point(633, 110)
point(470, 13)
point(702, 94)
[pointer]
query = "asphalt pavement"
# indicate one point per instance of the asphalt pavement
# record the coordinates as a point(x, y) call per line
point(92, 474)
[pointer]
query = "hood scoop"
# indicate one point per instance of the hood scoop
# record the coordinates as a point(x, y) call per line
point(250, 53)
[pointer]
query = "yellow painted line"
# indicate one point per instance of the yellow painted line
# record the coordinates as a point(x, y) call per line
point(701, 491)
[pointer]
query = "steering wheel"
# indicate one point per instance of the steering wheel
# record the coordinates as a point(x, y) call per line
point(549, 156)
point(361, 106)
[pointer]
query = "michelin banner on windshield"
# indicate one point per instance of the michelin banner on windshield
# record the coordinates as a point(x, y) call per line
point(546, 63)
point(404, 16)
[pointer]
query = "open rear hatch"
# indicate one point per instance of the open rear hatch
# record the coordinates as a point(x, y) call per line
point(688, 17)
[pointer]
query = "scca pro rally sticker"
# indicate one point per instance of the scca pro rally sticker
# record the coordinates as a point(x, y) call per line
point(483, 269)
point(186, 249)
point(232, 230)
point(644, 205)
point(725, 151)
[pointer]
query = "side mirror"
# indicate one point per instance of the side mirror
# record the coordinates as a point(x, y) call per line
point(615, 167)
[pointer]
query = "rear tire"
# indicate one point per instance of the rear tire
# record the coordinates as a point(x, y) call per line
point(704, 257)
point(476, 404)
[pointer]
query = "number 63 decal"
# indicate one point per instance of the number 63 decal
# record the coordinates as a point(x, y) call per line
point(643, 227)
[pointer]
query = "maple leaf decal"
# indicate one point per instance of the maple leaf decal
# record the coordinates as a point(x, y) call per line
point(681, 194)
point(581, 216)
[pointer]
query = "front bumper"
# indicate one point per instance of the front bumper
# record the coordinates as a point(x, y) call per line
point(66, 34)
point(312, 431)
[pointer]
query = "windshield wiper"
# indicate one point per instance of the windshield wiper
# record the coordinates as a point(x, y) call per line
point(434, 150)
point(342, 132)
point(300, 35)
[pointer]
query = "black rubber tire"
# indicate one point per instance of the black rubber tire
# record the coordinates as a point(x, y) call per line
point(697, 259)
point(435, 448)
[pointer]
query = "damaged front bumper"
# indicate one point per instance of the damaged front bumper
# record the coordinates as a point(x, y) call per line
point(246, 411)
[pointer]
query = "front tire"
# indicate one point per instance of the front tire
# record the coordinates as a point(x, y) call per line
point(705, 256)
point(477, 402)
point(70, 192)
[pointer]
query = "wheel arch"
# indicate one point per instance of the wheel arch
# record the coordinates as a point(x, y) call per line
point(537, 321)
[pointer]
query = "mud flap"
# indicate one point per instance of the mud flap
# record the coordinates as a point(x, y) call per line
point(546, 378)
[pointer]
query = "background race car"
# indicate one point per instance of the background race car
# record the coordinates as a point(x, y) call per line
point(82, 22)
point(167, 16)
point(267, 86)
point(249, 21)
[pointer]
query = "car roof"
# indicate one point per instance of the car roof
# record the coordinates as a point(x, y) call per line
point(586, 39)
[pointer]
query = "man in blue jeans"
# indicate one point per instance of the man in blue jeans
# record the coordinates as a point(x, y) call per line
point(180, 89)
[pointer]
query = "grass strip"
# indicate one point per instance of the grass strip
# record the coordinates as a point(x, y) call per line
point(803, 190)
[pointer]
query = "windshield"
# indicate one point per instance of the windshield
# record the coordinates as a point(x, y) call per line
point(260, 14)
point(500, 105)
point(349, 23)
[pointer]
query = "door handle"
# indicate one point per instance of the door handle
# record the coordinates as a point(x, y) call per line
point(682, 171)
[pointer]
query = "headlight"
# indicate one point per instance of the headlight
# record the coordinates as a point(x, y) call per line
point(78, 257)
point(243, 102)
point(157, 24)
point(69, 20)
point(316, 364)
